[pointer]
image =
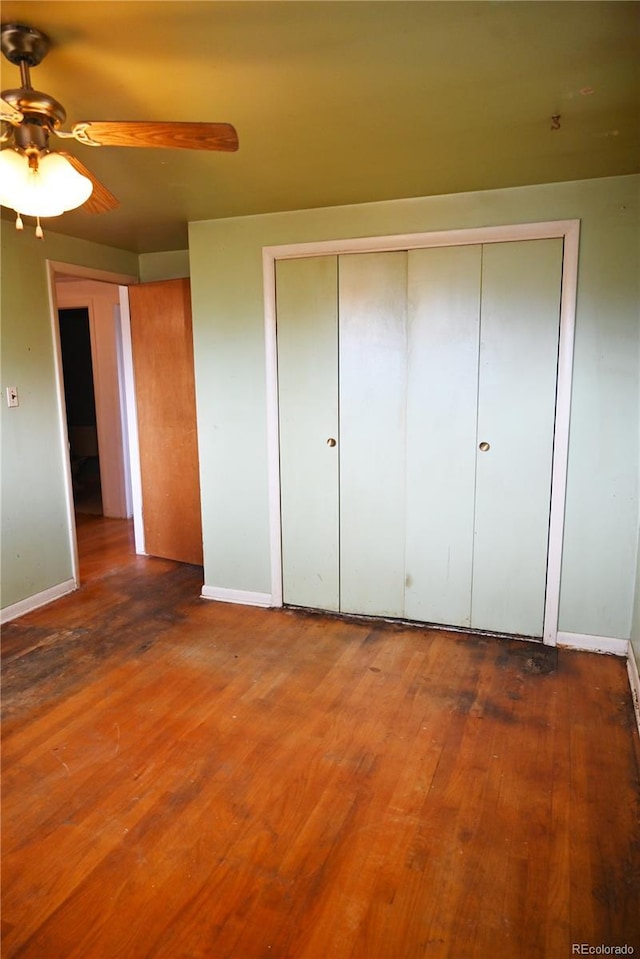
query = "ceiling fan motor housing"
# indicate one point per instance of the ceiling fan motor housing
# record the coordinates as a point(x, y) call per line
point(32, 137)
point(37, 106)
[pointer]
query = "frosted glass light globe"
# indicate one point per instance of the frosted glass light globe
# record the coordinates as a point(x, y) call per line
point(46, 190)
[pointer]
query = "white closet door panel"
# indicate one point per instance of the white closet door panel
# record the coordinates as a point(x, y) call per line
point(373, 344)
point(307, 331)
point(443, 324)
point(516, 411)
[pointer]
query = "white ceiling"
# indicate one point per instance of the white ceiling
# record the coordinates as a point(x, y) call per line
point(337, 102)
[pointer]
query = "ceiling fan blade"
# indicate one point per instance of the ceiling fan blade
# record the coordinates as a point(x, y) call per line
point(9, 114)
point(145, 133)
point(101, 200)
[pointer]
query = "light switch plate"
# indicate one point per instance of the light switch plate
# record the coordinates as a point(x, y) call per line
point(12, 396)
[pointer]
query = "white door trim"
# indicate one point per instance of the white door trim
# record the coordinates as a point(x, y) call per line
point(569, 231)
point(130, 420)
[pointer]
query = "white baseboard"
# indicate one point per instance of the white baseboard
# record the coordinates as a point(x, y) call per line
point(594, 644)
point(241, 597)
point(634, 682)
point(36, 601)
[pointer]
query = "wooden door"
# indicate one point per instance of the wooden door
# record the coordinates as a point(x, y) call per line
point(162, 344)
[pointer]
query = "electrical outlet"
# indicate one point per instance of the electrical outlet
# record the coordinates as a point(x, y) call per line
point(12, 396)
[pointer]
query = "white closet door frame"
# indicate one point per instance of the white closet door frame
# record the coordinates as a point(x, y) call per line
point(569, 231)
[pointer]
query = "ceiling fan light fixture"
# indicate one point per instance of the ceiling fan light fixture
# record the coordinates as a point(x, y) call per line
point(40, 183)
point(48, 187)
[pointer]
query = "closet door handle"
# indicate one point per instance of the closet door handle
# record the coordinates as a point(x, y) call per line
point(331, 441)
point(484, 447)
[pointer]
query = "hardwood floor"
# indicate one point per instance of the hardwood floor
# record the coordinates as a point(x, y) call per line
point(191, 780)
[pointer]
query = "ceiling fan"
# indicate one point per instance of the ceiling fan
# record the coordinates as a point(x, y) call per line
point(38, 177)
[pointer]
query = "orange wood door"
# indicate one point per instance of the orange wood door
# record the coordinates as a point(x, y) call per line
point(162, 344)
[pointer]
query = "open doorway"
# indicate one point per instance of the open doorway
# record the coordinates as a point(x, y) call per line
point(97, 406)
point(79, 391)
point(92, 371)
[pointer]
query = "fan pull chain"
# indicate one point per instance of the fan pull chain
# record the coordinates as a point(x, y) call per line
point(39, 230)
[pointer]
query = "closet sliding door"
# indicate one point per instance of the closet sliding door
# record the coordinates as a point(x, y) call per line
point(518, 368)
point(442, 396)
point(434, 371)
point(307, 331)
point(373, 404)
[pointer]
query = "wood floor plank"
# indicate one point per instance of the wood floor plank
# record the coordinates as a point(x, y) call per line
point(191, 780)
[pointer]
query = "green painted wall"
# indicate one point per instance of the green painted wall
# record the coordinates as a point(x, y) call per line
point(599, 559)
point(36, 552)
point(635, 625)
point(598, 582)
point(171, 265)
